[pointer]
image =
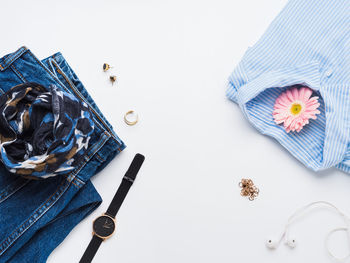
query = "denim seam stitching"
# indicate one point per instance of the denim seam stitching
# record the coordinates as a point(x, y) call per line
point(93, 150)
point(48, 71)
point(13, 55)
point(99, 157)
point(71, 181)
point(82, 97)
point(102, 142)
point(18, 73)
point(51, 66)
point(99, 124)
point(60, 193)
point(10, 240)
point(72, 178)
point(98, 146)
point(74, 89)
point(77, 183)
point(13, 58)
point(61, 84)
point(6, 194)
point(75, 172)
point(107, 133)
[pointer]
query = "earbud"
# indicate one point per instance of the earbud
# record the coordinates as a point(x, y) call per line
point(271, 243)
point(291, 242)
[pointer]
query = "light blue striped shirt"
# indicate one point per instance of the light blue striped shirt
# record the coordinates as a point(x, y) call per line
point(309, 44)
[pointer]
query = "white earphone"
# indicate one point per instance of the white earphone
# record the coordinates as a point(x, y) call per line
point(291, 242)
point(273, 243)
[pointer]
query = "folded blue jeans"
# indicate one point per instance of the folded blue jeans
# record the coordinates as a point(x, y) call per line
point(36, 215)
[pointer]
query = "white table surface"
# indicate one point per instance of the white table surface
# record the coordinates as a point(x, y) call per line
point(172, 59)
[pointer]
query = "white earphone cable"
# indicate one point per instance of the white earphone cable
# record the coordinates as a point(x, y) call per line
point(304, 209)
point(327, 244)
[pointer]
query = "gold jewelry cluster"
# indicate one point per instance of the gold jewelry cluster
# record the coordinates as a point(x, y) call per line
point(248, 189)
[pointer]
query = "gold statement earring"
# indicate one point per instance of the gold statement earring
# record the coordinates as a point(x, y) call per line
point(113, 79)
point(106, 67)
point(131, 118)
point(248, 189)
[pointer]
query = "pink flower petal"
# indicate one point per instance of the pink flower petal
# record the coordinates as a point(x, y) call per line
point(284, 99)
point(290, 95)
point(302, 93)
point(282, 115)
point(312, 107)
point(281, 104)
point(280, 110)
point(307, 94)
point(288, 121)
point(295, 93)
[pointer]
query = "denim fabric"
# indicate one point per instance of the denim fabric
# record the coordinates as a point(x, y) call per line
point(36, 215)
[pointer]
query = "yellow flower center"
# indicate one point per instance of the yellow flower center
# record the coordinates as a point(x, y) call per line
point(296, 108)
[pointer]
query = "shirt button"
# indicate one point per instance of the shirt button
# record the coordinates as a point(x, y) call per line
point(329, 73)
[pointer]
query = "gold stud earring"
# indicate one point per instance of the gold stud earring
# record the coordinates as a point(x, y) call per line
point(106, 67)
point(113, 79)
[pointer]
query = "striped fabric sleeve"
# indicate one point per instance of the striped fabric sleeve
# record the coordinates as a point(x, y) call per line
point(241, 89)
point(320, 145)
point(307, 44)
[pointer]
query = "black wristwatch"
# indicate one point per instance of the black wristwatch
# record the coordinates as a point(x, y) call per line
point(104, 225)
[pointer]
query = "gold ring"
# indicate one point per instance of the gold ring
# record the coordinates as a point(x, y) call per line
point(131, 122)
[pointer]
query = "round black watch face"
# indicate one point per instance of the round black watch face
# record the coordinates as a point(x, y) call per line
point(104, 226)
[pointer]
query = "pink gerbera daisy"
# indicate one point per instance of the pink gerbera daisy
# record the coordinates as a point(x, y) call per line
point(295, 107)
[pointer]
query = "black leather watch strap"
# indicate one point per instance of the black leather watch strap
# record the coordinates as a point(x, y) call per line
point(124, 187)
point(91, 249)
point(113, 208)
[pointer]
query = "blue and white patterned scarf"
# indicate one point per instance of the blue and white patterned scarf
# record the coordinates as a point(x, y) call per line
point(43, 132)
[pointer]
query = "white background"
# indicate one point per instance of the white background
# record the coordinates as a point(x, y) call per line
point(172, 59)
